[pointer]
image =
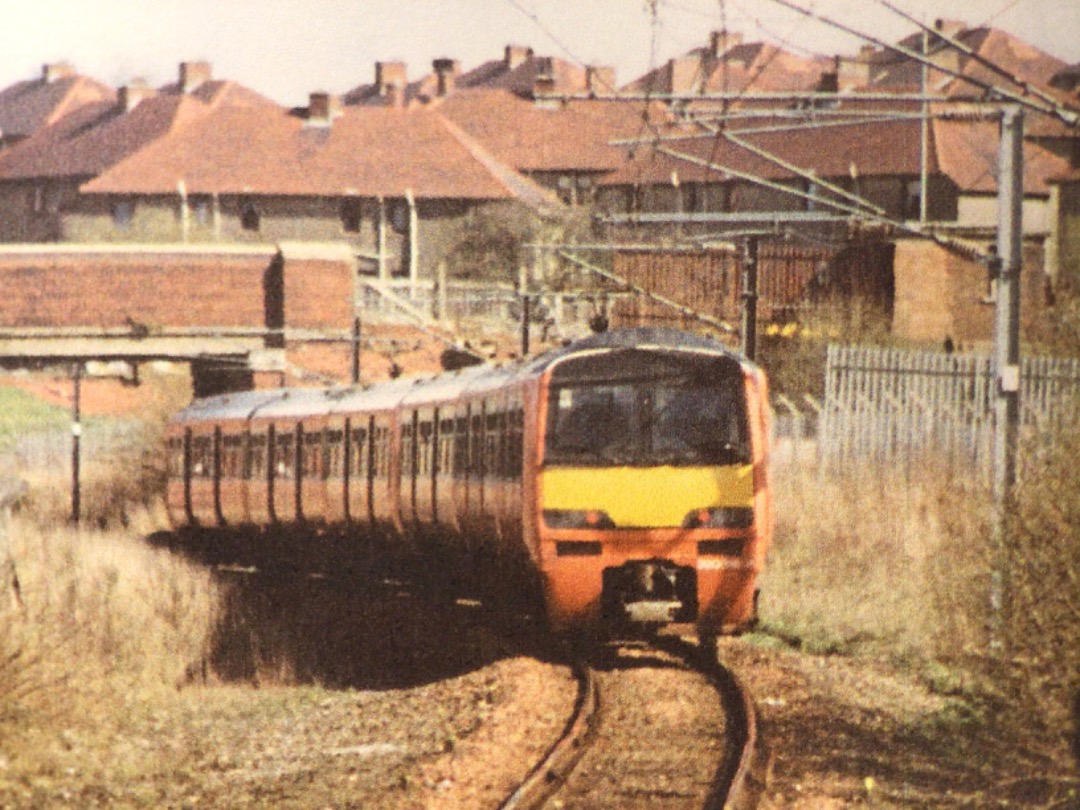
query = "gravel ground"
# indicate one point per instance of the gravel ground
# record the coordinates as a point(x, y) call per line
point(316, 696)
point(660, 738)
point(850, 732)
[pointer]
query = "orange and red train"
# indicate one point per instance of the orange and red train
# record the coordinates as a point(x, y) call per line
point(623, 476)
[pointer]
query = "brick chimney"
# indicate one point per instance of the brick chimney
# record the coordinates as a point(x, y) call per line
point(720, 42)
point(54, 71)
point(131, 95)
point(684, 74)
point(395, 95)
point(855, 71)
point(446, 73)
point(599, 79)
point(323, 108)
point(193, 74)
point(516, 55)
point(544, 80)
point(388, 74)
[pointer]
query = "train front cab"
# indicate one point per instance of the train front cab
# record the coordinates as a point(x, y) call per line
point(652, 493)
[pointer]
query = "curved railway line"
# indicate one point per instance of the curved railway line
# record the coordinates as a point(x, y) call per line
point(662, 726)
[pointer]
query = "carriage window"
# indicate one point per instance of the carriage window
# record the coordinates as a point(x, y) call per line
point(359, 451)
point(493, 440)
point(424, 449)
point(407, 443)
point(380, 461)
point(333, 454)
point(202, 457)
point(476, 442)
point(232, 456)
point(312, 455)
point(285, 457)
point(461, 445)
point(256, 456)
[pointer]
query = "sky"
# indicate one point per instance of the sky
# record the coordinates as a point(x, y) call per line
point(285, 49)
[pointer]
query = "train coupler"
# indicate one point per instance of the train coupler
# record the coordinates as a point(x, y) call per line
point(649, 593)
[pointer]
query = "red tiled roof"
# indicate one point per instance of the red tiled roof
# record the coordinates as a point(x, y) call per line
point(573, 135)
point(751, 67)
point(222, 92)
point(863, 148)
point(964, 151)
point(968, 154)
point(365, 151)
point(1008, 52)
point(27, 106)
point(95, 137)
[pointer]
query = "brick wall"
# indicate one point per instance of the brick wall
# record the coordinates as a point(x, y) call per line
point(941, 293)
point(111, 290)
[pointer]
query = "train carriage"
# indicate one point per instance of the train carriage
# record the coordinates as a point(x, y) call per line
point(624, 475)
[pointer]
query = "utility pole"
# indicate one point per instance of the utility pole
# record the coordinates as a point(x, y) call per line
point(750, 297)
point(1007, 265)
point(76, 437)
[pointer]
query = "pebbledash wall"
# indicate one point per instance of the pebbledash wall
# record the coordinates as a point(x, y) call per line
point(294, 301)
point(63, 215)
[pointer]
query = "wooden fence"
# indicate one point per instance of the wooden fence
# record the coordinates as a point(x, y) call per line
point(900, 407)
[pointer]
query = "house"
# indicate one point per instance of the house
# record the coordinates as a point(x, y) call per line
point(28, 106)
point(399, 185)
point(729, 65)
point(520, 71)
point(41, 175)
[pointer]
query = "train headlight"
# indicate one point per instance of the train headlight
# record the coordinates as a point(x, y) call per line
point(720, 517)
point(577, 519)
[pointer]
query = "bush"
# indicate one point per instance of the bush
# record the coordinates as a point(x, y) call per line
point(1042, 578)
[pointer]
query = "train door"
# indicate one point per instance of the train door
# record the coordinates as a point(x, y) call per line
point(311, 478)
point(261, 444)
point(425, 483)
point(361, 472)
point(334, 470)
point(200, 487)
point(382, 468)
point(284, 473)
point(443, 474)
point(460, 465)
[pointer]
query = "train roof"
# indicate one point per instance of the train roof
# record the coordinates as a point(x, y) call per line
point(637, 338)
point(421, 390)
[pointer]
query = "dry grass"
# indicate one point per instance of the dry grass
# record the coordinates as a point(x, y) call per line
point(899, 567)
point(96, 616)
point(871, 561)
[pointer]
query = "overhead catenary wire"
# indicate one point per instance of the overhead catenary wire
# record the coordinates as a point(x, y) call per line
point(970, 52)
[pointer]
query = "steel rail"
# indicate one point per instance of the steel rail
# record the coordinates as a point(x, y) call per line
point(561, 758)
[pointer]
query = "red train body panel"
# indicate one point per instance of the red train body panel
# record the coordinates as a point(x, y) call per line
point(625, 476)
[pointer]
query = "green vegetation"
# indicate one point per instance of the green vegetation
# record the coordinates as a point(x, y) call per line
point(22, 413)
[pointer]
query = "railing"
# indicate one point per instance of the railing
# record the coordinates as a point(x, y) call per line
point(902, 407)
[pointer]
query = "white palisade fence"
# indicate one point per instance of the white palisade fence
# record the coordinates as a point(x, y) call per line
point(900, 407)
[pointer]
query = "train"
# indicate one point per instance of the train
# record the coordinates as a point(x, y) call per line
point(621, 479)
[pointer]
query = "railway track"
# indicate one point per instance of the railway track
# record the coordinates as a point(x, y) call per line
point(659, 726)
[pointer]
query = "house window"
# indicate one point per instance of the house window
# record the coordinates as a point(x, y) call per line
point(37, 203)
point(399, 216)
point(913, 200)
point(350, 216)
point(200, 211)
point(123, 212)
point(249, 217)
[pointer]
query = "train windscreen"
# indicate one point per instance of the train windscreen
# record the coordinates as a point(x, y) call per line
point(647, 408)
